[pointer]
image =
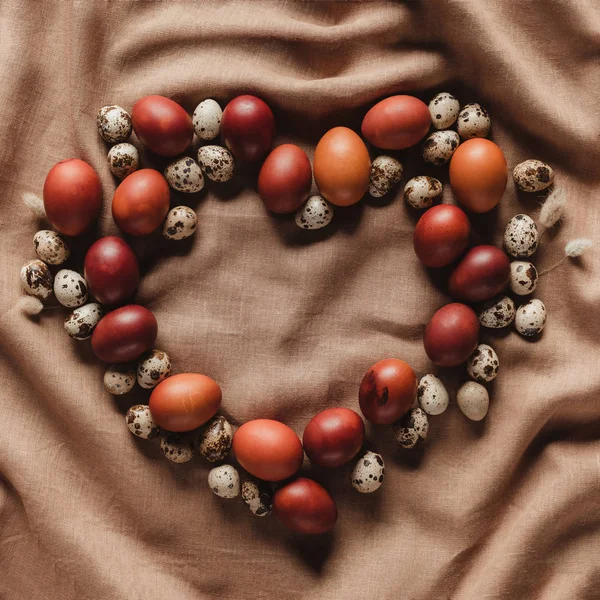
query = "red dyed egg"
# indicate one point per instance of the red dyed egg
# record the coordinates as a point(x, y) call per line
point(268, 449)
point(451, 335)
point(441, 235)
point(72, 196)
point(306, 507)
point(248, 128)
point(387, 391)
point(285, 178)
point(111, 270)
point(162, 125)
point(333, 437)
point(124, 334)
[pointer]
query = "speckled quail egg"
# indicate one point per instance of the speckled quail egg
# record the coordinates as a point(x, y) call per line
point(483, 364)
point(473, 400)
point(216, 162)
point(36, 279)
point(523, 277)
point(316, 213)
point(258, 497)
point(114, 124)
point(119, 379)
point(153, 367)
point(140, 422)
point(207, 119)
point(180, 223)
point(51, 247)
point(178, 448)
point(531, 318)
point(443, 108)
point(224, 481)
point(473, 121)
point(215, 439)
point(497, 313)
point(439, 146)
point(533, 175)
point(432, 395)
point(81, 322)
point(521, 236)
point(123, 160)
point(422, 191)
point(386, 172)
point(70, 288)
point(412, 428)
point(368, 473)
point(184, 175)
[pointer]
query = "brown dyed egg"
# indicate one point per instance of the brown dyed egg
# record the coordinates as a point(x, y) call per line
point(387, 391)
point(342, 166)
point(451, 335)
point(184, 402)
point(333, 437)
point(268, 449)
point(478, 174)
point(441, 235)
point(304, 506)
point(396, 123)
point(482, 273)
point(285, 178)
point(124, 334)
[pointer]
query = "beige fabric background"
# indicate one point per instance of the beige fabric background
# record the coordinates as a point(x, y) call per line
point(287, 321)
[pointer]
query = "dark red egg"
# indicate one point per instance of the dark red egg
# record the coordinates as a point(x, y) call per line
point(124, 334)
point(162, 125)
point(248, 128)
point(285, 178)
point(304, 506)
point(333, 437)
point(451, 335)
point(72, 196)
point(111, 270)
point(441, 235)
point(387, 391)
point(482, 273)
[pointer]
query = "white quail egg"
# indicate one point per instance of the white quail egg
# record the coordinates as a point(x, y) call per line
point(473, 121)
point(119, 379)
point(412, 428)
point(432, 395)
point(422, 191)
point(368, 473)
point(51, 247)
point(531, 318)
point(216, 162)
point(140, 422)
point(114, 124)
point(224, 481)
point(316, 213)
point(523, 277)
point(81, 322)
point(443, 108)
point(177, 448)
point(207, 119)
point(184, 175)
point(258, 497)
point(473, 400)
point(533, 175)
point(153, 367)
point(439, 146)
point(386, 172)
point(215, 439)
point(180, 223)
point(497, 313)
point(36, 279)
point(483, 364)
point(70, 288)
point(123, 160)
point(521, 236)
